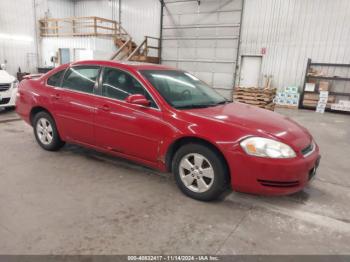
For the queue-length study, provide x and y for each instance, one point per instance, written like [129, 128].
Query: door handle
[56, 96]
[104, 107]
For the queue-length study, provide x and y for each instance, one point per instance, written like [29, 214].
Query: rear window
[55, 79]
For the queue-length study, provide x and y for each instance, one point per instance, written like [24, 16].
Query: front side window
[183, 90]
[81, 78]
[55, 79]
[119, 85]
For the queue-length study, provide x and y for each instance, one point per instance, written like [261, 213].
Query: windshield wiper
[193, 106]
[203, 105]
[223, 102]
[220, 103]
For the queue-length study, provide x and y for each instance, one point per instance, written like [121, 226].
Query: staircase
[128, 50]
[148, 51]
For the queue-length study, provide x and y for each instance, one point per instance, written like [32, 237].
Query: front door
[250, 71]
[123, 127]
[75, 103]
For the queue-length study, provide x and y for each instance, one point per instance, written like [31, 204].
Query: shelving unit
[330, 78]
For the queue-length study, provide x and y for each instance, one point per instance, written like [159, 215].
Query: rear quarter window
[55, 79]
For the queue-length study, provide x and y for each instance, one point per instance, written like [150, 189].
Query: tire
[198, 171]
[46, 133]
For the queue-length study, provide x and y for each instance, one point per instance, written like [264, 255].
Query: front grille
[308, 150]
[272, 183]
[4, 101]
[4, 87]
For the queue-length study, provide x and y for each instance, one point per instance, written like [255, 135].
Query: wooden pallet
[251, 102]
[256, 94]
[270, 106]
[256, 98]
[261, 97]
[287, 106]
[257, 90]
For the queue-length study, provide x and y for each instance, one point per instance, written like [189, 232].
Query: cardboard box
[324, 94]
[291, 89]
[282, 101]
[323, 100]
[311, 96]
[313, 103]
[316, 97]
[320, 109]
[295, 102]
[344, 102]
[340, 107]
[307, 102]
[281, 94]
[331, 99]
[323, 86]
[310, 87]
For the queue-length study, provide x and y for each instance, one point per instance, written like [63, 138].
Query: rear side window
[55, 79]
[81, 78]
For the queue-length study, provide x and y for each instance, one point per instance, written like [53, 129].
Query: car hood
[258, 122]
[6, 78]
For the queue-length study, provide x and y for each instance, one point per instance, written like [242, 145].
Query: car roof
[125, 64]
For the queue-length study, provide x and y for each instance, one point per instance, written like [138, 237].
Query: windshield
[183, 90]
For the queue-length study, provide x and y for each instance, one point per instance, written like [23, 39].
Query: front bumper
[267, 176]
[8, 97]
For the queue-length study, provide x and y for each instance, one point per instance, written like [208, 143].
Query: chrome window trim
[99, 85]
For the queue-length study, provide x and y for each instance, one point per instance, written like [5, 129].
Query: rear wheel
[200, 172]
[45, 132]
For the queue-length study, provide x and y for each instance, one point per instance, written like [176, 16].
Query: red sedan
[169, 120]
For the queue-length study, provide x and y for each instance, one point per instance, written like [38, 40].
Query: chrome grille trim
[4, 87]
[309, 149]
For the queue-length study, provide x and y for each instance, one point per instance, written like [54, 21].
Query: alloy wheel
[44, 131]
[196, 172]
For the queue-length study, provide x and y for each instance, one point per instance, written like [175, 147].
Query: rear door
[75, 103]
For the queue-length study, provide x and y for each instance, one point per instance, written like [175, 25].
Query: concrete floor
[77, 201]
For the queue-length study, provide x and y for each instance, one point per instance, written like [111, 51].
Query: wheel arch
[36, 110]
[196, 140]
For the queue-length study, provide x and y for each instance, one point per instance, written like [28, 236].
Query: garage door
[202, 37]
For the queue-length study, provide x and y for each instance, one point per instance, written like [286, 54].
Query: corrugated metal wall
[203, 39]
[293, 30]
[18, 37]
[141, 18]
[60, 8]
[102, 48]
[102, 8]
[17, 43]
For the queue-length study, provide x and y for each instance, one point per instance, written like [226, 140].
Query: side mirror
[138, 99]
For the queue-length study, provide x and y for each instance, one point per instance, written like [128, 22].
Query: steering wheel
[186, 94]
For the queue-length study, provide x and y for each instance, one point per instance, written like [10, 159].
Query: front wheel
[200, 172]
[46, 133]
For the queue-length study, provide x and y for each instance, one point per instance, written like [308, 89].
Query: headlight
[264, 147]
